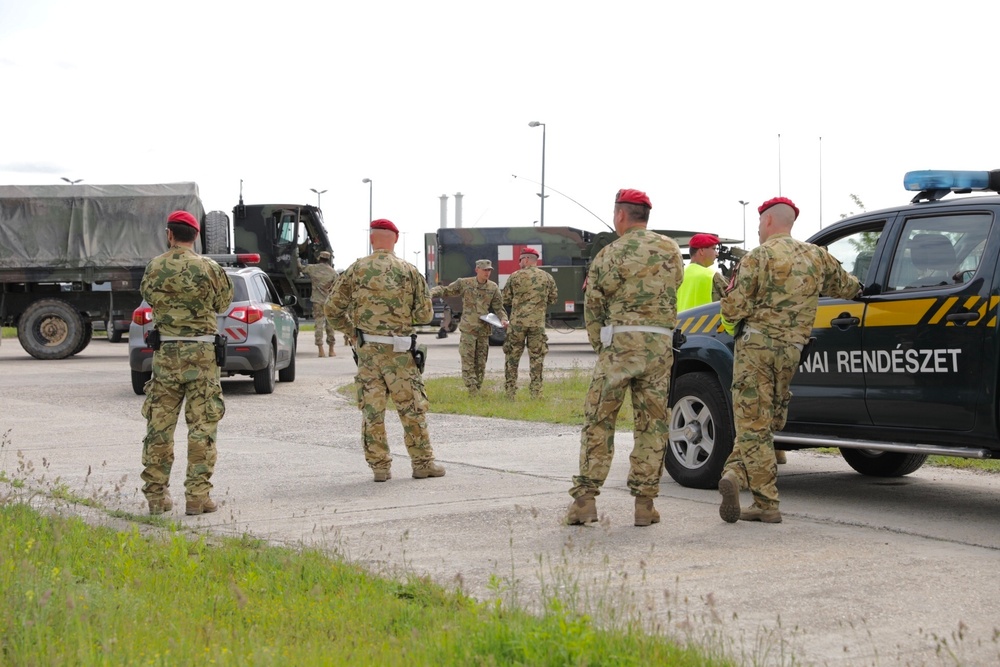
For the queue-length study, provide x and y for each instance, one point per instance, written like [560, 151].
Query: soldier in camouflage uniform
[773, 297]
[185, 292]
[527, 295]
[381, 297]
[480, 296]
[630, 309]
[323, 276]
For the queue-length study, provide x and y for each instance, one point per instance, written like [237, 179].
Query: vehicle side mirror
[289, 300]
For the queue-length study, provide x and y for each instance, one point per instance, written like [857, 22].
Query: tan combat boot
[779, 457]
[382, 474]
[322, 353]
[333, 353]
[428, 469]
[729, 487]
[645, 513]
[201, 506]
[582, 510]
[754, 513]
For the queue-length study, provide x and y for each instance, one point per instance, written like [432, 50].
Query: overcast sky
[682, 100]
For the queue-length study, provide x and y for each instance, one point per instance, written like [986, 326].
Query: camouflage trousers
[323, 328]
[474, 349]
[641, 362]
[384, 374]
[182, 372]
[537, 342]
[762, 372]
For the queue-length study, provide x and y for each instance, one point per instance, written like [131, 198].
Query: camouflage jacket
[777, 286]
[633, 281]
[477, 299]
[323, 276]
[527, 295]
[380, 294]
[185, 291]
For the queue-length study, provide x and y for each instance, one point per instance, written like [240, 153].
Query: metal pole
[744, 223]
[541, 219]
[779, 164]
[821, 182]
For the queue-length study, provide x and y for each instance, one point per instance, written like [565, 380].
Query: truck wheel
[50, 329]
[88, 335]
[287, 374]
[114, 335]
[263, 380]
[882, 464]
[497, 335]
[216, 233]
[701, 431]
[139, 380]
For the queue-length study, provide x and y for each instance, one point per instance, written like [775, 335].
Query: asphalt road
[862, 571]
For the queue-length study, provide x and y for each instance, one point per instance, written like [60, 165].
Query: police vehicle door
[924, 335]
[280, 317]
[823, 390]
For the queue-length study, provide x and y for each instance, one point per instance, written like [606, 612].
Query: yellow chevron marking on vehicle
[703, 324]
[897, 313]
[943, 310]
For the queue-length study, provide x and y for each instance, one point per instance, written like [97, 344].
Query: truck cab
[908, 370]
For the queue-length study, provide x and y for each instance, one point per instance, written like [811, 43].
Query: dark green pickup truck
[910, 369]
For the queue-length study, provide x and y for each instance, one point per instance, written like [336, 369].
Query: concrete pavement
[863, 571]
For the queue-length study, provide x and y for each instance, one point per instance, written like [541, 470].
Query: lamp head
[366, 180]
[534, 123]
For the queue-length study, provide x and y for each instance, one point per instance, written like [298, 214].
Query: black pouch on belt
[220, 350]
[153, 339]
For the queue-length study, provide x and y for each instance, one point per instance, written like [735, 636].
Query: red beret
[703, 241]
[529, 251]
[382, 223]
[632, 197]
[774, 202]
[185, 218]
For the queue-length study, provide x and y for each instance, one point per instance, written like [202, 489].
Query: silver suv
[261, 327]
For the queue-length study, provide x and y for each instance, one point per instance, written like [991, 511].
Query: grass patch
[72, 593]
[8, 332]
[561, 402]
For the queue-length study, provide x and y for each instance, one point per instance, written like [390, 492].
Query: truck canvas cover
[78, 226]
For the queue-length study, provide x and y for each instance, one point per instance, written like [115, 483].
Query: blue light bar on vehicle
[944, 179]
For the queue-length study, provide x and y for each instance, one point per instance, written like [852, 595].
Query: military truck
[564, 252]
[73, 255]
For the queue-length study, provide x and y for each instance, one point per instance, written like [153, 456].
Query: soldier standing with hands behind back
[630, 309]
[185, 292]
[380, 298]
[774, 297]
[480, 295]
[528, 293]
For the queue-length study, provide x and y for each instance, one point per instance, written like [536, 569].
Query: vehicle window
[259, 290]
[239, 289]
[939, 251]
[272, 293]
[856, 250]
[288, 230]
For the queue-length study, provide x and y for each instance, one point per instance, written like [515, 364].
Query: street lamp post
[744, 223]
[72, 182]
[541, 217]
[319, 193]
[369, 182]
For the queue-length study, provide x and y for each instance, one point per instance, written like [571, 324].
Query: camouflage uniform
[185, 292]
[474, 346]
[323, 277]
[528, 293]
[775, 294]
[384, 296]
[632, 281]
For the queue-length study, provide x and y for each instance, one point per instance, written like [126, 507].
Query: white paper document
[492, 319]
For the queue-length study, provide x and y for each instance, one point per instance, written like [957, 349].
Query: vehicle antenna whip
[569, 198]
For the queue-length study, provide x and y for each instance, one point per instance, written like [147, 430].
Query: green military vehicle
[74, 255]
[564, 252]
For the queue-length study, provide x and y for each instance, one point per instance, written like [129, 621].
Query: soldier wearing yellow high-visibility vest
[702, 284]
